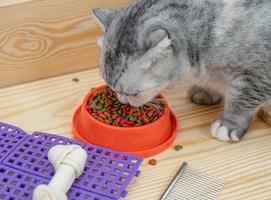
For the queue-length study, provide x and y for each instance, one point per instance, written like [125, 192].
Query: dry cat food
[105, 107]
[178, 147]
[153, 162]
[75, 80]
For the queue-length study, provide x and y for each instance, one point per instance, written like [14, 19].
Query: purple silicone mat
[10, 137]
[31, 154]
[15, 185]
[106, 175]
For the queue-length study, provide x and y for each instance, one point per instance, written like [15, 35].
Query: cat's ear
[158, 45]
[104, 16]
[158, 40]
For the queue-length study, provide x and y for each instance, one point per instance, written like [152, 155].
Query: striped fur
[154, 44]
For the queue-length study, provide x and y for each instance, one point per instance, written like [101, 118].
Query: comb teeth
[194, 185]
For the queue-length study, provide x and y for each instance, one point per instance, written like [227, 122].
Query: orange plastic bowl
[143, 141]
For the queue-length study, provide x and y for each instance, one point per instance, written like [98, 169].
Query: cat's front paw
[226, 130]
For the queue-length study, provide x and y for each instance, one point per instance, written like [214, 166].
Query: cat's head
[137, 55]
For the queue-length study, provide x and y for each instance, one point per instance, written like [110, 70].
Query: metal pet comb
[190, 184]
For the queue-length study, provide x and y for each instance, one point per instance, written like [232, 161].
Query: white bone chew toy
[69, 162]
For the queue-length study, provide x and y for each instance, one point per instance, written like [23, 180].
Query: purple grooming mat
[24, 165]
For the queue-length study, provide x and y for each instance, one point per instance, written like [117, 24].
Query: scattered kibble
[178, 147]
[75, 80]
[105, 107]
[153, 162]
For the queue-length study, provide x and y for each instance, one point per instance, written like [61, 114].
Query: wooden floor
[48, 105]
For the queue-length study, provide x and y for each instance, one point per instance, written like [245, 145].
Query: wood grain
[48, 105]
[43, 38]
[12, 2]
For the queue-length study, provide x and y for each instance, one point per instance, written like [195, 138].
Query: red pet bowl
[143, 141]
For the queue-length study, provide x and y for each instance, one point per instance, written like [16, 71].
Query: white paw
[225, 131]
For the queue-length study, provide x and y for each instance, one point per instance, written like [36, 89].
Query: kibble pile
[105, 107]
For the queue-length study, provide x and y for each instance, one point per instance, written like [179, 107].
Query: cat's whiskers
[157, 108]
[138, 110]
[142, 109]
[158, 101]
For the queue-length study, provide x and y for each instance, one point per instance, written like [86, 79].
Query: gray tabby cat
[225, 45]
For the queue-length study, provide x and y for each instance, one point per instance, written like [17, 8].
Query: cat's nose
[122, 98]
[135, 102]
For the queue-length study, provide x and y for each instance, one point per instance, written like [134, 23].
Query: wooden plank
[12, 2]
[45, 38]
[48, 105]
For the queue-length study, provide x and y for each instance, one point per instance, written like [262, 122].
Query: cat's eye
[135, 94]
